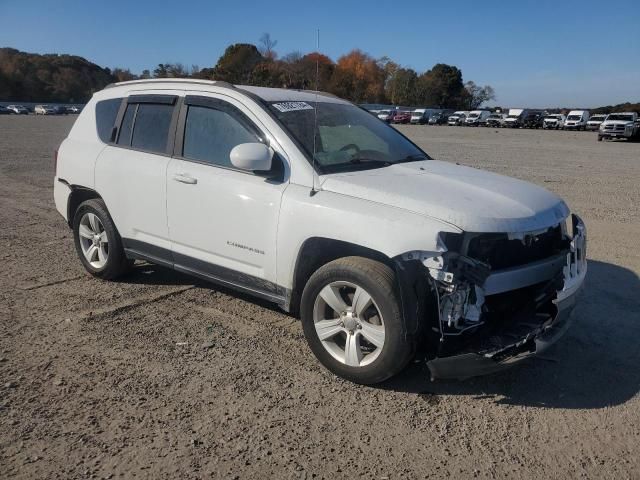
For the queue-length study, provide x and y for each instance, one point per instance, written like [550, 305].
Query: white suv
[310, 202]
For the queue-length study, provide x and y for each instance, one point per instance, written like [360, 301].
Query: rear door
[222, 221]
[131, 172]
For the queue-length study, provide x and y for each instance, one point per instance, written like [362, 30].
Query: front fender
[388, 230]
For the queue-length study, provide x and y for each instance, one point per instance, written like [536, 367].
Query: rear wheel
[352, 320]
[98, 242]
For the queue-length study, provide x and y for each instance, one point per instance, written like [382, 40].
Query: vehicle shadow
[595, 365]
[149, 274]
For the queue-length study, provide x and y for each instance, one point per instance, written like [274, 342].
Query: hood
[471, 199]
[617, 122]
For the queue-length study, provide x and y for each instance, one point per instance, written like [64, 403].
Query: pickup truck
[620, 125]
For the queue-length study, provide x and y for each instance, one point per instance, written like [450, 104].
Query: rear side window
[106, 113]
[151, 127]
[210, 135]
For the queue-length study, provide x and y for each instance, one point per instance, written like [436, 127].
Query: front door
[222, 221]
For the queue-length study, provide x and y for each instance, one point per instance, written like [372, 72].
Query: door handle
[184, 178]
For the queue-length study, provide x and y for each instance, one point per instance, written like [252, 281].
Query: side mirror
[252, 157]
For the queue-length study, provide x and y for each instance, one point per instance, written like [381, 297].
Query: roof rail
[217, 83]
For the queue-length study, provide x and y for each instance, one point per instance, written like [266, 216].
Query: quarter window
[106, 113]
[210, 134]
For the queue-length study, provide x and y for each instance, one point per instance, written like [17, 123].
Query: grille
[499, 252]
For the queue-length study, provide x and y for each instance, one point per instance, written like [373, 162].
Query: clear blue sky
[534, 53]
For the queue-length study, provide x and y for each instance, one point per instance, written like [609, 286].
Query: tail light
[55, 161]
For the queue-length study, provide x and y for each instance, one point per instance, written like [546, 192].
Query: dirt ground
[161, 376]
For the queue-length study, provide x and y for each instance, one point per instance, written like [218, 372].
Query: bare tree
[267, 46]
[477, 95]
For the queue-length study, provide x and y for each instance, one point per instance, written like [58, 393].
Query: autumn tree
[358, 77]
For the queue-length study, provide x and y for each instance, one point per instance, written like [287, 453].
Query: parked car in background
[553, 121]
[595, 121]
[385, 115]
[18, 109]
[496, 120]
[422, 115]
[477, 118]
[44, 110]
[620, 125]
[439, 118]
[397, 255]
[457, 118]
[514, 118]
[401, 116]
[60, 110]
[533, 120]
[577, 120]
[4, 111]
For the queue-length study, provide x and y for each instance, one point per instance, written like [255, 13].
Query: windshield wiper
[412, 158]
[372, 161]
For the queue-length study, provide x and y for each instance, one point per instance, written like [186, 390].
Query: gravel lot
[161, 376]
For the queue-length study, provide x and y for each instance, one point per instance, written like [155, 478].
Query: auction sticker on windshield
[292, 106]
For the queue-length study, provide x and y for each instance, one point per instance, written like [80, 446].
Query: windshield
[597, 118]
[474, 115]
[513, 116]
[552, 117]
[346, 137]
[617, 116]
[574, 117]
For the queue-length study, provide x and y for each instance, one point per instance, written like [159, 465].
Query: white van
[477, 117]
[514, 119]
[577, 120]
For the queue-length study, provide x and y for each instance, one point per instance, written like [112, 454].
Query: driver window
[210, 135]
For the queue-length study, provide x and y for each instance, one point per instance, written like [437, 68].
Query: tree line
[356, 76]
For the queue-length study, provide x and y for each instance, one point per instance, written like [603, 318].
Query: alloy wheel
[93, 240]
[349, 324]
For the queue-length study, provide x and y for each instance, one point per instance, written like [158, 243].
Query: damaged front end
[496, 299]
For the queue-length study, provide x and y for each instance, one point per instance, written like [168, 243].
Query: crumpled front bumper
[472, 364]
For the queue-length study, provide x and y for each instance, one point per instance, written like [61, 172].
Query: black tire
[599, 138]
[117, 263]
[379, 281]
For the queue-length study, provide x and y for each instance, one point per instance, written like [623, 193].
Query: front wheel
[352, 320]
